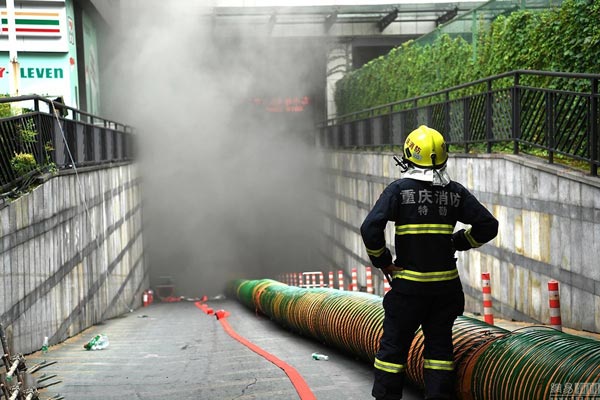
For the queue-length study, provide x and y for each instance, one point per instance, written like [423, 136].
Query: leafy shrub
[563, 39]
[28, 132]
[5, 109]
[22, 163]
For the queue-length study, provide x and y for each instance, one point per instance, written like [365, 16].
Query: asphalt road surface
[175, 351]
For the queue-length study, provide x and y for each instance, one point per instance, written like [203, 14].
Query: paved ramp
[175, 351]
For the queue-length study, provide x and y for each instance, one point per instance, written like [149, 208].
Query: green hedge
[564, 39]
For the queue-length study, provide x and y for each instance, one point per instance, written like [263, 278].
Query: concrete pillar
[339, 62]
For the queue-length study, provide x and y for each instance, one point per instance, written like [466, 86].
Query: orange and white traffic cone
[340, 279]
[554, 300]
[488, 313]
[369, 279]
[354, 280]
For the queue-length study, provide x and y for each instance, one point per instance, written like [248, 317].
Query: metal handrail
[561, 120]
[512, 74]
[43, 135]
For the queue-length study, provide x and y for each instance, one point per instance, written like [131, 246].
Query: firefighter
[425, 206]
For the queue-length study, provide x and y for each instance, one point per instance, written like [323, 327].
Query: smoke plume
[228, 187]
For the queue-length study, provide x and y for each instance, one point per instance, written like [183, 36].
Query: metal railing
[557, 113]
[40, 135]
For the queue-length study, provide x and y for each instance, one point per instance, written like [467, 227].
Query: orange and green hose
[491, 362]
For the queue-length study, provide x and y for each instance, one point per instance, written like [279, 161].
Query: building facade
[50, 48]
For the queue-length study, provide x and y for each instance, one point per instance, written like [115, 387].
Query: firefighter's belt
[436, 276]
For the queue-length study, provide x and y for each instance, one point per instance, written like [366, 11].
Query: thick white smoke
[228, 190]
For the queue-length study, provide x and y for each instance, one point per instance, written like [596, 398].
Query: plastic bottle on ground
[45, 345]
[102, 343]
[98, 342]
[317, 356]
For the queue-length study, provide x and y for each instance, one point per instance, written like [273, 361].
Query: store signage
[33, 23]
[42, 73]
[39, 28]
[36, 73]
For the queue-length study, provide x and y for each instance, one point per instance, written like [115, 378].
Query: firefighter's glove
[460, 241]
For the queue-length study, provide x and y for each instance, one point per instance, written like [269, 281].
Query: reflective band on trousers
[439, 364]
[388, 366]
[376, 253]
[416, 229]
[426, 276]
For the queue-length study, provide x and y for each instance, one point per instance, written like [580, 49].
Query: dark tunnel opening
[240, 200]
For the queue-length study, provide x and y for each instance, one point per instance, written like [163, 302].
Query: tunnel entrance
[242, 189]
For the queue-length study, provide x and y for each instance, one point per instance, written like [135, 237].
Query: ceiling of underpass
[386, 21]
[340, 20]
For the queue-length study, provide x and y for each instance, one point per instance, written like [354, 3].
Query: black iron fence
[39, 135]
[550, 113]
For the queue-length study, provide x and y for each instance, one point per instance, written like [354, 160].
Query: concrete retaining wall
[549, 229]
[71, 257]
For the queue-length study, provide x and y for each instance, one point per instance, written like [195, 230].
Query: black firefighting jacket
[425, 217]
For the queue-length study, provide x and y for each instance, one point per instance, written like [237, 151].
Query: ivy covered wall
[563, 39]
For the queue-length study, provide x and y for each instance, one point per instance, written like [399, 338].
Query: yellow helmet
[425, 148]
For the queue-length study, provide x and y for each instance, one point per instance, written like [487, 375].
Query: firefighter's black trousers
[403, 315]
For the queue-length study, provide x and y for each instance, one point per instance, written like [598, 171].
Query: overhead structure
[272, 22]
[330, 20]
[467, 24]
[447, 17]
[352, 35]
[348, 21]
[387, 20]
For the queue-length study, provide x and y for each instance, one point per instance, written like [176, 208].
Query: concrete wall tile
[566, 193]
[535, 295]
[576, 247]
[590, 256]
[596, 314]
[548, 187]
[505, 237]
[541, 227]
[530, 184]
[55, 229]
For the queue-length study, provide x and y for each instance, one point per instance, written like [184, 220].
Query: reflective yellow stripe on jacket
[388, 366]
[436, 276]
[417, 229]
[376, 253]
[474, 243]
[439, 364]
